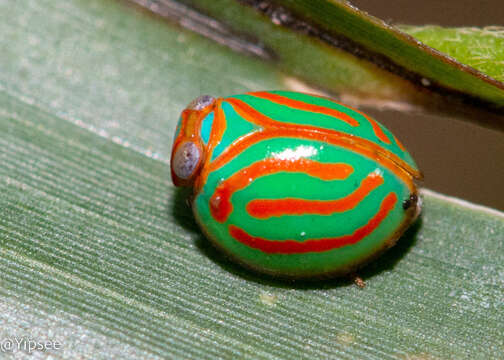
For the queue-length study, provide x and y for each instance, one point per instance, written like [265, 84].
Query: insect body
[293, 184]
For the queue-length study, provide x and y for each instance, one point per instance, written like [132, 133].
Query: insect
[292, 184]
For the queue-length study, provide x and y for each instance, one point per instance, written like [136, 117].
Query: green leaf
[481, 48]
[99, 252]
[338, 48]
[375, 35]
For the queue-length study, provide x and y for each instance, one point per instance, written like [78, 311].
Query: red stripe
[301, 105]
[314, 245]
[401, 146]
[376, 128]
[266, 208]
[220, 202]
[219, 126]
[358, 144]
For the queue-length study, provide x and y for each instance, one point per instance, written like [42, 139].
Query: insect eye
[186, 159]
[201, 102]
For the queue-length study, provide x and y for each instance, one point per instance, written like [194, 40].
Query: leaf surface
[99, 251]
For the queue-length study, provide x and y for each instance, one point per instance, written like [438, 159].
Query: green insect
[294, 185]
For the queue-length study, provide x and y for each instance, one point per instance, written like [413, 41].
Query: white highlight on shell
[378, 171]
[302, 151]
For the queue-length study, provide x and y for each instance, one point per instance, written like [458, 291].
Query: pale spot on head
[185, 160]
[201, 102]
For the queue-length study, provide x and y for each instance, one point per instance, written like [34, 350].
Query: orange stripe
[220, 202]
[301, 105]
[189, 132]
[255, 117]
[314, 245]
[376, 128]
[266, 208]
[218, 128]
[361, 146]
[401, 146]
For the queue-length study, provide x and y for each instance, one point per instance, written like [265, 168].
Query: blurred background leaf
[480, 48]
[338, 48]
[100, 252]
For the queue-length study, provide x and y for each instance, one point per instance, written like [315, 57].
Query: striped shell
[293, 184]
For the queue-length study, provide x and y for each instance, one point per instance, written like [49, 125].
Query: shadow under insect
[387, 261]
